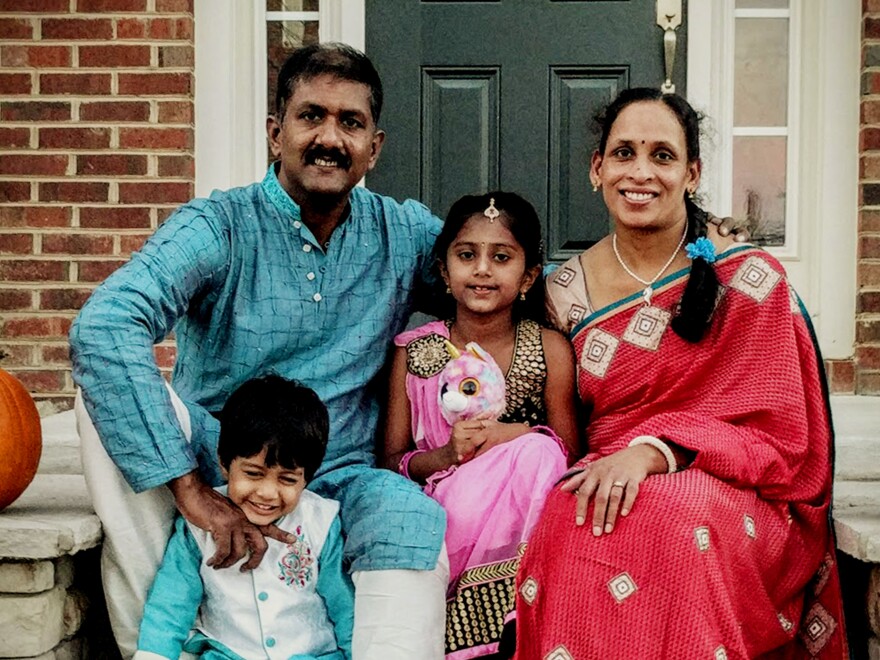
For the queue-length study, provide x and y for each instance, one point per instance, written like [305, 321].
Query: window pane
[762, 4]
[282, 37]
[759, 186]
[760, 95]
[291, 5]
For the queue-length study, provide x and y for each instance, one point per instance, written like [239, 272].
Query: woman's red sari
[732, 557]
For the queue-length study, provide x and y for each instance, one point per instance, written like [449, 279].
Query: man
[304, 275]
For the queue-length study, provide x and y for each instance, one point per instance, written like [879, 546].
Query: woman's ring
[618, 484]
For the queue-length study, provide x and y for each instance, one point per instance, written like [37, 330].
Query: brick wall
[867, 351]
[96, 147]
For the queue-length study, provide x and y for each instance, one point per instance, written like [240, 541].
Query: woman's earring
[595, 187]
[522, 295]
[448, 289]
[692, 195]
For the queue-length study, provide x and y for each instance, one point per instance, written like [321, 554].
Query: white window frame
[820, 251]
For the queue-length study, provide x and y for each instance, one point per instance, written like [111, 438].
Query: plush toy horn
[453, 351]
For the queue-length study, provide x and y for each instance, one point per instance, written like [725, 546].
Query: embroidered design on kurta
[755, 278]
[296, 567]
[646, 327]
[559, 653]
[599, 348]
[622, 587]
[529, 590]
[818, 627]
[702, 536]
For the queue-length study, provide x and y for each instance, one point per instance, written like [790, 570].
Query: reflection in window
[761, 117]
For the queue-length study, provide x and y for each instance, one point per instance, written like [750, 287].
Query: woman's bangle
[403, 465]
[660, 446]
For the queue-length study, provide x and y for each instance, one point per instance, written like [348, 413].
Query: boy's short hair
[284, 416]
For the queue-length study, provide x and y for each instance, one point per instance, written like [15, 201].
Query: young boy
[298, 602]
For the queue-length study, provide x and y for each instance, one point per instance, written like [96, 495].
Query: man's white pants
[399, 614]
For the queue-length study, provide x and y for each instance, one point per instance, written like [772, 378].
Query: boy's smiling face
[265, 494]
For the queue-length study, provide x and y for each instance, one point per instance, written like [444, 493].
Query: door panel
[483, 95]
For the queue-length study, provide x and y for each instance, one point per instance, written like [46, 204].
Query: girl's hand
[614, 481]
[465, 439]
[497, 433]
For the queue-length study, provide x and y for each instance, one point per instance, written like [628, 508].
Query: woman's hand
[614, 481]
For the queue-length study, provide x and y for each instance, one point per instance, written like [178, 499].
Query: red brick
[16, 244]
[868, 331]
[115, 111]
[75, 83]
[35, 56]
[77, 28]
[868, 357]
[176, 56]
[33, 164]
[40, 381]
[869, 247]
[131, 28]
[63, 299]
[870, 111]
[11, 299]
[183, 28]
[32, 270]
[165, 356]
[19, 355]
[871, 5]
[175, 112]
[869, 220]
[15, 191]
[35, 6]
[16, 28]
[162, 214]
[14, 137]
[35, 111]
[146, 193]
[111, 57]
[77, 244]
[111, 164]
[132, 243]
[110, 6]
[841, 375]
[869, 138]
[73, 191]
[174, 6]
[35, 216]
[97, 271]
[868, 302]
[114, 217]
[156, 138]
[74, 138]
[868, 274]
[151, 84]
[869, 168]
[871, 28]
[15, 83]
[177, 167]
[55, 355]
[868, 383]
[40, 326]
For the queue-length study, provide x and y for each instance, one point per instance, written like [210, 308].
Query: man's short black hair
[284, 416]
[339, 60]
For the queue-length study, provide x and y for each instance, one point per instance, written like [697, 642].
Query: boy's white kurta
[296, 603]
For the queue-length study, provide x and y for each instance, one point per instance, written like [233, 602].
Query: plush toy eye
[469, 386]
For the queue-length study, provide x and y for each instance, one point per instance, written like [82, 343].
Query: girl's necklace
[649, 284]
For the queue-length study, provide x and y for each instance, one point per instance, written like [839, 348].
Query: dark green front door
[486, 95]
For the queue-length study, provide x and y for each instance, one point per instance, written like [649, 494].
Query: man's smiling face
[327, 140]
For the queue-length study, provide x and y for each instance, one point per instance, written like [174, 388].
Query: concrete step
[60, 445]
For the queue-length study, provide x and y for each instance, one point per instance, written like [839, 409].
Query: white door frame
[231, 142]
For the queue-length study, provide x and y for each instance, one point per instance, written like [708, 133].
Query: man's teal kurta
[247, 290]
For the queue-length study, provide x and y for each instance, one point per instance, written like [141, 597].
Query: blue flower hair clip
[703, 249]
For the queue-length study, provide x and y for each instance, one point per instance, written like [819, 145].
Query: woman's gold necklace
[649, 284]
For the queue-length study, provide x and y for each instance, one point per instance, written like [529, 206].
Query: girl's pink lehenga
[493, 501]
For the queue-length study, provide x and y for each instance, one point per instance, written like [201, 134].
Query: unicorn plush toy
[471, 385]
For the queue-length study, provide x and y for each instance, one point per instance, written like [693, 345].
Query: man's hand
[233, 535]
[727, 226]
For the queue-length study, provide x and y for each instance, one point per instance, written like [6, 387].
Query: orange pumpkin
[21, 439]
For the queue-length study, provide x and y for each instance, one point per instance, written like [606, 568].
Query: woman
[697, 526]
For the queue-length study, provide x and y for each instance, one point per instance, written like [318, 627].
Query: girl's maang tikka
[491, 212]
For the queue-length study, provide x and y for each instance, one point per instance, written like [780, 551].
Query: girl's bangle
[660, 446]
[403, 465]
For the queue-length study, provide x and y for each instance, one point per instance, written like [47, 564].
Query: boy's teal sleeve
[335, 587]
[173, 600]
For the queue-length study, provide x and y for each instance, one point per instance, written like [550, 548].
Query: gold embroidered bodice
[524, 381]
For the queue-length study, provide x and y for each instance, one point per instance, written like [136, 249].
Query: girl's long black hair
[694, 314]
[521, 219]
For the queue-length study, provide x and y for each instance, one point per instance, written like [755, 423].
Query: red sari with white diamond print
[732, 557]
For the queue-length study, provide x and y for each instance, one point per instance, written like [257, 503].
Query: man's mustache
[334, 155]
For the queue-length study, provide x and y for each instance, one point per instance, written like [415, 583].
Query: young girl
[491, 476]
